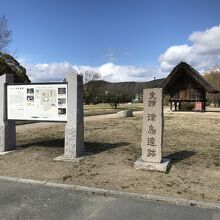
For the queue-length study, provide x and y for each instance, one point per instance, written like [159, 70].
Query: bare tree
[213, 76]
[90, 75]
[5, 34]
[91, 88]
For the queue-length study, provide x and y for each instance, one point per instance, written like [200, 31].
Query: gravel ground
[112, 145]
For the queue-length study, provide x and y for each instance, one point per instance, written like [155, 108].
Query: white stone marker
[152, 133]
[7, 128]
[74, 130]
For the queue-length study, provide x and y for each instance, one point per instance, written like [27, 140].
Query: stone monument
[74, 130]
[7, 128]
[125, 113]
[152, 133]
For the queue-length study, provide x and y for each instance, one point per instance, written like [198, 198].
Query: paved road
[19, 201]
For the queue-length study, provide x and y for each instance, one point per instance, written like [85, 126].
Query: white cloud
[53, 72]
[128, 53]
[116, 73]
[202, 54]
[110, 55]
[56, 72]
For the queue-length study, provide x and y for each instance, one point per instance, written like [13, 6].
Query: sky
[123, 40]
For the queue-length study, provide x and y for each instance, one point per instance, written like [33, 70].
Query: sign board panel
[40, 102]
[198, 106]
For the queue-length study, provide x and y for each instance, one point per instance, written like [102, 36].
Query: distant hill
[132, 87]
[9, 65]
[100, 91]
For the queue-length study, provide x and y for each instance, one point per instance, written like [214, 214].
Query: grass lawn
[112, 146]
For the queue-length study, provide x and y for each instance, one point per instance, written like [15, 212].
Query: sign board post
[7, 128]
[74, 130]
[152, 133]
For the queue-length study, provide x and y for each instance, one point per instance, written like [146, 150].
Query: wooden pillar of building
[175, 104]
[179, 105]
[171, 105]
[203, 106]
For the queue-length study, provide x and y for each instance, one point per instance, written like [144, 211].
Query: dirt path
[54, 124]
[107, 116]
[209, 114]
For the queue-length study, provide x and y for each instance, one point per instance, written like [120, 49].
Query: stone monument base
[163, 166]
[6, 152]
[68, 159]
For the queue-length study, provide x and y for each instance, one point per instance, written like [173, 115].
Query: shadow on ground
[90, 147]
[180, 155]
[95, 147]
[56, 143]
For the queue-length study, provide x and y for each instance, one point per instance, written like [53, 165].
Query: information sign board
[40, 102]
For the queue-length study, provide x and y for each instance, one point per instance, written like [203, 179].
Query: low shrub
[187, 106]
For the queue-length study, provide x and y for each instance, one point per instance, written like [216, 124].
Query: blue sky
[122, 39]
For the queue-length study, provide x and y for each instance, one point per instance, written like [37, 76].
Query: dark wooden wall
[184, 87]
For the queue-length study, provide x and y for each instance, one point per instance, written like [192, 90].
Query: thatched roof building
[185, 84]
[183, 71]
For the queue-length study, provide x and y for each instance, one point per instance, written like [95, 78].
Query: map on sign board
[43, 102]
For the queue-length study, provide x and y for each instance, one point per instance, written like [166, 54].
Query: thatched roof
[187, 69]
